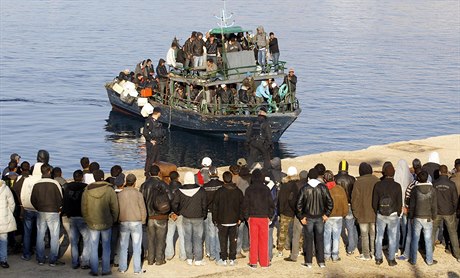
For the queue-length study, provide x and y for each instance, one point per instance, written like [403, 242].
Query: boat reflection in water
[181, 147]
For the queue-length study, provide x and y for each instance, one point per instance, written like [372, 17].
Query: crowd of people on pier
[222, 216]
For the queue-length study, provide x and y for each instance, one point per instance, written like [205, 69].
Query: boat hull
[224, 126]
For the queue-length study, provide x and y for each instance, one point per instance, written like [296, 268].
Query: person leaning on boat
[259, 139]
[154, 135]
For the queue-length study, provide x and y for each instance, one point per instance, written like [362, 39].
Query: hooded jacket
[228, 205]
[287, 198]
[190, 201]
[258, 201]
[384, 189]
[211, 188]
[261, 38]
[99, 206]
[423, 202]
[346, 182]
[314, 200]
[47, 195]
[162, 72]
[7, 205]
[361, 198]
[73, 193]
[149, 191]
[132, 205]
[447, 195]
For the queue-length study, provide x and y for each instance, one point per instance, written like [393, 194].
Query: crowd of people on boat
[222, 216]
[204, 55]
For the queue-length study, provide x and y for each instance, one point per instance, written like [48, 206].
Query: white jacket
[171, 57]
[7, 221]
[26, 191]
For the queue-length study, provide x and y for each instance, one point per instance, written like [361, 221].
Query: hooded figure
[403, 175]
[276, 174]
[43, 157]
[432, 166]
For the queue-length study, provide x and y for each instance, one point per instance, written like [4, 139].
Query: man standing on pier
[259, 139]
[154, 135]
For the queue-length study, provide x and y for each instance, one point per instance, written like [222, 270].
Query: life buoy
[283, 90]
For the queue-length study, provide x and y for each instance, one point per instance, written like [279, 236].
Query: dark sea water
[370, 72]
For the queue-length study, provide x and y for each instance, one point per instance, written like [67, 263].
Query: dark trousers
[153, 155]
[157, 230]
[228, 234]
[256, 148]
[314, 230]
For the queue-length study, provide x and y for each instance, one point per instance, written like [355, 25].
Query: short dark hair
[45, 169]
[148, 60]
[422, 176]
[313, 173]
[234, 169]
[416, 163]
[328, 176]
[320, 168]
[443, 169]
[78, 175]
[57, 172]
[98, 175]
[84, 162]
[115, 170]
[271, 33]
[227, 176]
[154, 170]
[457, 162]
[25, 167]
[174, 175]
[94, 166]
[12, 165]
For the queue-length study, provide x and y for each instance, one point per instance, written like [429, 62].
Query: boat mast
[224, 24]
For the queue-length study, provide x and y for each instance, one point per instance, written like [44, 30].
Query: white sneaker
[221, 262]
[199, 263]
[231, 263]
[189, 262]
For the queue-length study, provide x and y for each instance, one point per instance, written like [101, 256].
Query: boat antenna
[224, 18]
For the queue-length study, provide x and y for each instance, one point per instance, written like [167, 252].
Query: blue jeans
[392, 224]
[197, 61]
[170, 246]
[349, 232]
[243, 238]
[211, 238]
[133, 229]
[193, 237]
[30, 219]
[105, 236]
[3, 247]
[402, 231]
[408, 239]
[78, 227]
[427, 227]
[332, 229]
[275, 57]
[261, 57]
[48, 220]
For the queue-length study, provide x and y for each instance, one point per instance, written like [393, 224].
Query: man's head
[12, 166]
[328, 176]
[365, 169]
[15, 157]
[443, 170]
[148, 62]
[227, 176]
[206, 162]
[416, 163]
[174, 176]
[78, 175]
[156, 112]
[154, 171]
[234, 169]
[457, 165]
[43, 156]
[93, 166]
[422, 176]
[343, 166]
[98, 175]
[130, 180]
[25, 167]
[388, 170]
[313, 174]
[272, 35]
[84, 162]
[115, 170]
[213, 172]
[57, 172]
[320, 168]
[291, 71]
[46, 170]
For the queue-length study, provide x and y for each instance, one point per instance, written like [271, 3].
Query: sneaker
[392, 263]
[41, 263]
[140, 272]
[363, 258]
[433, 263]
[378, 261]
[200, 263]
[240, 256]
[57, 263]
[4, 264]
[189, 262]
[107, 273]
[402, 258]
[322, 265]
[221, 262]
[85, 267]
[24, 258]
[288, 259]
[327, 259]
[280, 254]
[231, 263]
[307, 265]
[350, 253]
[253, 266]
[412, 262]
[336, 260]
[160, 262]
[121, 271]
[212, 259]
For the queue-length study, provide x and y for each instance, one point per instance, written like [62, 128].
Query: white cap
[189, 178]
[292, 171]
[264, 83]
[206, 162]
[274, 85]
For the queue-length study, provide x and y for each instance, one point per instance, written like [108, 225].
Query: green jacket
[99, 206]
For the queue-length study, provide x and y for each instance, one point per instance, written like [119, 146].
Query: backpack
[385, 206]
[161, 202]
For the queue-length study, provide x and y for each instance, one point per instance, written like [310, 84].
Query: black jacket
[447, 196]
[259, 130]
[173, 186]
[190, 201]
[384, 189]
[346, 182]
[258, 201]
[46, 195]
[423, 202]
[72, 199]
[162, 72]
[287, 198]
[314, 200]
[211, 188]
[228, 205]
[149, 191]
[433, 170]
[273, 45]
[153, 130]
